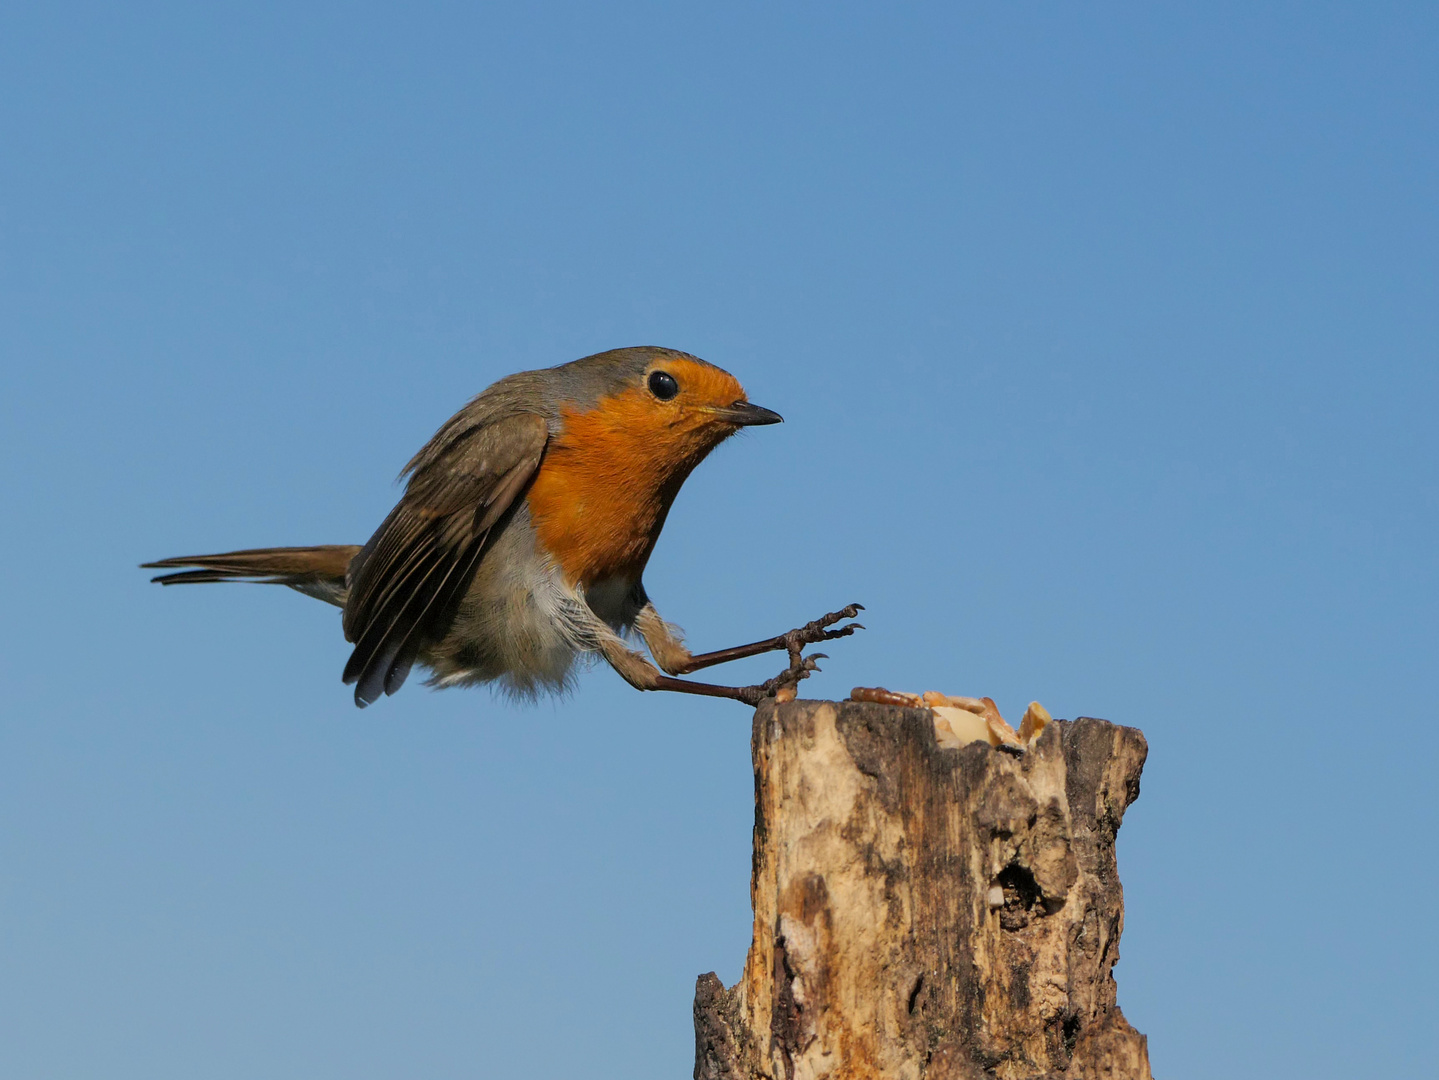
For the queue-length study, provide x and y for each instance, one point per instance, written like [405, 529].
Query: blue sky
[1106, 342]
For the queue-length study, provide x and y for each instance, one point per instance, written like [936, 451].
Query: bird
[519, 544]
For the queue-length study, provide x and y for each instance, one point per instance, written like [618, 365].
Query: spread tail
[314, 571]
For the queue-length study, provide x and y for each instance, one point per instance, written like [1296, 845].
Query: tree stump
[928, 913]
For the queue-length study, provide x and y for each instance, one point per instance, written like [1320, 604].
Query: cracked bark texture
[928, 914]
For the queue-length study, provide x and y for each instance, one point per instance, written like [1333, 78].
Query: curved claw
[849, 611]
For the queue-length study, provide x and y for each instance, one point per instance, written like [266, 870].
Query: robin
[521, 540]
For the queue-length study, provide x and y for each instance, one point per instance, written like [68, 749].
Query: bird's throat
[606, 484]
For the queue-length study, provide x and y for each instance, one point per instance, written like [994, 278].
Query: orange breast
[607, 482]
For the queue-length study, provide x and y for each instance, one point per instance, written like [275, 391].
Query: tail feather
[315, 571]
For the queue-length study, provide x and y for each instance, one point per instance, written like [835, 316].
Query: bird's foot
[812, 633]
[783, 686]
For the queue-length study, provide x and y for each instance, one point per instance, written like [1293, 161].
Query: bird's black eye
[663, 385]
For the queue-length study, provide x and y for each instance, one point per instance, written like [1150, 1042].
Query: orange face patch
[609, 477]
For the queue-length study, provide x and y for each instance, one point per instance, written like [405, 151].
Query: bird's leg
[636, 669]
[750, 695]
[672, 656]
[800, 668]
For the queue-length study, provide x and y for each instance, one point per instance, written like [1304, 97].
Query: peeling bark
[928, 914]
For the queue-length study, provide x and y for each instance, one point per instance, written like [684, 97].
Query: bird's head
[661, 409]
[685, 393]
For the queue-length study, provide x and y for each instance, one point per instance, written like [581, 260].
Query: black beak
[743, 414]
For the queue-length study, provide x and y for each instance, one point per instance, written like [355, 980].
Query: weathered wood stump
[928, 913]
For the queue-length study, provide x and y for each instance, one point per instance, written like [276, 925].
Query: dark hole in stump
[914, 994]
[1071, 1032]
[1021, 893]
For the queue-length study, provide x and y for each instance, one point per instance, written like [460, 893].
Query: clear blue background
[1106, 343]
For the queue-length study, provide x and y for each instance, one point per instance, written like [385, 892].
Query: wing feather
[406, 582]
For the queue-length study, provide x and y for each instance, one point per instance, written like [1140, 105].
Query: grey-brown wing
[406, 582]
